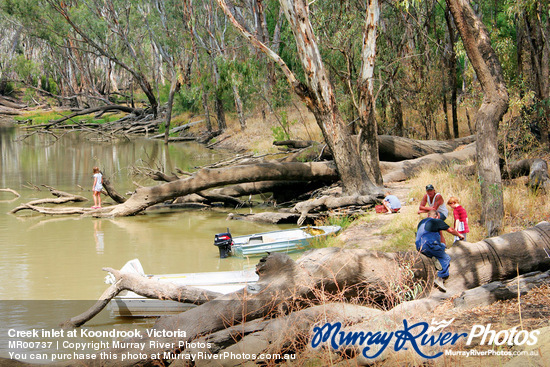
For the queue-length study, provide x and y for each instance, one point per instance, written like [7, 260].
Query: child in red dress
[460, 217]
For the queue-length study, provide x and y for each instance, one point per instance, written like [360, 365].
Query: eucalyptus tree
[167, 23]
[355, 158]
[10, 36]
[112, 29]
[477, 42]
[533, 24]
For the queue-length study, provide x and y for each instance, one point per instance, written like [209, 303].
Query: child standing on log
[460, 217]
[97, 187]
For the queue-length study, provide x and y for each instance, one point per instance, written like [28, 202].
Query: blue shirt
[427, 232]
[394, 201]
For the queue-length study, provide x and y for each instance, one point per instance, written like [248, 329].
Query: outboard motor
[224, 241]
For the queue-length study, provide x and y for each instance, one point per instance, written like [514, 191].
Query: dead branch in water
[10, 190]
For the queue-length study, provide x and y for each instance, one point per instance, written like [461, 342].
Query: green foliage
[516, 137]
[48, 84]
[44, 117]
[343, 221]
[281, 94]
[187, 100]
[9, 88]
[26, 69]
[281, 132]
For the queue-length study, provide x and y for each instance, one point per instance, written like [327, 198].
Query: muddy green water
[60, 258]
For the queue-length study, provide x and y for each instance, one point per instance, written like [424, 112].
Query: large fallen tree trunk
[536, 169]
[208, 178]
[396, 148]
[370, 277]
[204, 179]
[400, 171]
[390, 148]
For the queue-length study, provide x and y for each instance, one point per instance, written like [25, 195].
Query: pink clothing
[459, 213]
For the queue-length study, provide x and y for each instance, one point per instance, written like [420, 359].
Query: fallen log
[204, 179]
[145, 287]
[7, 103]
[401, 171]
[295, 144]
[287, 334]
[88, 111]
[391, 148]
[33, 205]
[274, 217]
[536, 169]
[208, 178]
[228, 200]
[498, 291]
[331, 202]
[397, 148]
[9, 111]
[177, 129]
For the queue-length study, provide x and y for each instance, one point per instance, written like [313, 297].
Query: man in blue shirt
[428, 242]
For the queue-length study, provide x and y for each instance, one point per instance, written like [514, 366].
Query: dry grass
[522, 207]
[258, 136]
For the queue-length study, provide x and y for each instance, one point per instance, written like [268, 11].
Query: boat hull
[291, 240]
[130, 304]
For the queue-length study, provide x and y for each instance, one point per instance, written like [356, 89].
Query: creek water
[51, 266]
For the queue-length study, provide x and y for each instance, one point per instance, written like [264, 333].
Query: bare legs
[97, 199]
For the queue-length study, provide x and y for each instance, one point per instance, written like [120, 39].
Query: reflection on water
[60, 258]
[98, 236]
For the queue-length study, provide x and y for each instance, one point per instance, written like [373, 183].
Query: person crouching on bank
[429, 242]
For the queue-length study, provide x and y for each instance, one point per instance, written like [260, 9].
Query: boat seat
[255, 240]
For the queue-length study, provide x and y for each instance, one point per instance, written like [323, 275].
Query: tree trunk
[540, 66]
[7, 66]
[368, 134]
[452, 72]
[206, 110]
[239, 106]
[318, 95]
[174, 87]
[476, 40]
[396, 113]
[220, 114]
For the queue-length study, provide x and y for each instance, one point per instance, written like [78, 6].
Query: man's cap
[430, 187]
